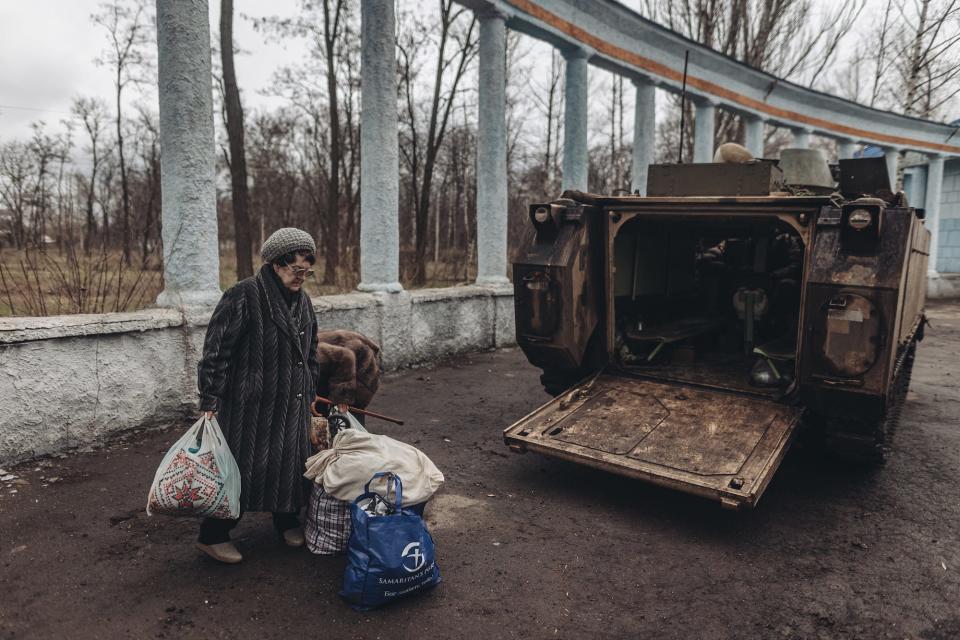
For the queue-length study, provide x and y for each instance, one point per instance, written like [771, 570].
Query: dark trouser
[217, 530]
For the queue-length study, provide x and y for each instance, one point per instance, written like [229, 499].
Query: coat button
[301, 333]
[299, 395]
[300, 364]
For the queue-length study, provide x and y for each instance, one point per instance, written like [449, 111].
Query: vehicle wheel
[869, 442]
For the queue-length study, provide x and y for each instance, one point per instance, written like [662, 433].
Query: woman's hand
[209, 414]
[343, 408]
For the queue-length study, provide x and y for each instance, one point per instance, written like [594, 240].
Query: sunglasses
[300, 272]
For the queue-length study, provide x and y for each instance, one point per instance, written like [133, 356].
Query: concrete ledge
[944, 285]
[68, 381]
[14, 330]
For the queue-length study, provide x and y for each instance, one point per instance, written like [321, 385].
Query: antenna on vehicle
[683, 105]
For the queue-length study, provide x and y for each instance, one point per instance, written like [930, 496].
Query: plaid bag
[327, 528]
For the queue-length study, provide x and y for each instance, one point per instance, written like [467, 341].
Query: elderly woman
[259, 374]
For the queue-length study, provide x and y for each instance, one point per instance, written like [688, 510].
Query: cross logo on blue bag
[412, 552]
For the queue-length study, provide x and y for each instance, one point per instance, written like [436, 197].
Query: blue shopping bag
[391, 553]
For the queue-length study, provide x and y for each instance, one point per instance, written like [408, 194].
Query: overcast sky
[48, 48]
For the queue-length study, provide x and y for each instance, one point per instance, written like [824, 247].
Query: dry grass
[51, 282]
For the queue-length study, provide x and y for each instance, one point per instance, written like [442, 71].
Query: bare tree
[333, 15]
[127, 23]
[237, 160]
[325, 87]
[47, 150]
[91, 112]
[928, 67]
[456, 48]
[64, 202]
[148, 181]
[615, 175]
[106, 195]
[273, 145]
[17, 177]
[549, 101]
[797, 40]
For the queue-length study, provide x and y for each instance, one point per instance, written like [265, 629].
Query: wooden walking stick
[363, 412]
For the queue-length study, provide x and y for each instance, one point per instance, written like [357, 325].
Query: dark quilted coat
[257, 372]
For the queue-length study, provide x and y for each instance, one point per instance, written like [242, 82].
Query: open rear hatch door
[710, 443]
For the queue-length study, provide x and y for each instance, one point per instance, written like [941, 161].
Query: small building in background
[945, 274]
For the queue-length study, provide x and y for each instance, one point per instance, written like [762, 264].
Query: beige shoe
[224, 552]
[294, 537]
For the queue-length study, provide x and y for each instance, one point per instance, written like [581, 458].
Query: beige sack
[356, 455]
[732, 153]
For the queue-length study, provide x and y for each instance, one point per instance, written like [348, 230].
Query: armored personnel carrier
[688, 335]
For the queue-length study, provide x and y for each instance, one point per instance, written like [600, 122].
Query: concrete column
[753, 140]
[932, 206]
[703, 131]
[379, 150]
[801, 138]
[892, 156]
[915, 184]
[492, 151]
[575, 157]
[846, 149]
[644, 128]
[191, 256]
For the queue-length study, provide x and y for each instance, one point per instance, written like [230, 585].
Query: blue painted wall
[948, 259]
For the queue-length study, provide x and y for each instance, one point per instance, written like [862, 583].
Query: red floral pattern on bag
[191, 486]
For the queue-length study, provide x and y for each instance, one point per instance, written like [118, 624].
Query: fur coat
[349, 367]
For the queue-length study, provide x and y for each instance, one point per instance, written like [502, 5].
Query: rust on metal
[716, 321]
[710, 443]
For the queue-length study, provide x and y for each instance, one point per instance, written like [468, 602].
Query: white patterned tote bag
[198, 477]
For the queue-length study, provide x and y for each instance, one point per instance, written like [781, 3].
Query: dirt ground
[529, 547]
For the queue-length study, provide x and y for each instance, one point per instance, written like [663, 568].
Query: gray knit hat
[286, 240]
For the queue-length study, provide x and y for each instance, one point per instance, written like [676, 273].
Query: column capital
[846, 147]
[644, 81]
[493, 12]
[801, 129]
[754, 117]
[577, 52]
[702, 100]
[935, 157]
